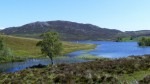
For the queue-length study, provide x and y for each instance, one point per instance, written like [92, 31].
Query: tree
[144, 41]
[119, 39]
[50, 45]
[131, 38]
[5, 52]
[1, 43]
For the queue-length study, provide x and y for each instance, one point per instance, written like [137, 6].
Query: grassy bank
[26, 47]
[119, 71]
[91, 57]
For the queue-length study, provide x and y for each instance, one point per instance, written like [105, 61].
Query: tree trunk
[51, 60]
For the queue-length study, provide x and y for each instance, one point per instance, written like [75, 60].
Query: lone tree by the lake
[50, 45]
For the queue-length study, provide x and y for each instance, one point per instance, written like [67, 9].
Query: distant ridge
[138, 33]
[67, 30]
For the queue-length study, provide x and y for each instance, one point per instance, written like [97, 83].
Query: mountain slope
[67, 30]
[138, 33]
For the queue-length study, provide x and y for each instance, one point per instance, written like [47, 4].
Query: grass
[90, 57]
[117, 71]
[70, 47]
[26, 47]
[134, 77]
[114, 71]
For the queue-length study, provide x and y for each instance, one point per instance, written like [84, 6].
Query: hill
[67, 30]
[138, 33]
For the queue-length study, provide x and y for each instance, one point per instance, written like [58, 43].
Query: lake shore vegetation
[25, 48]
[144, 41]
[117, 71]
[5, 52]
[91, 57]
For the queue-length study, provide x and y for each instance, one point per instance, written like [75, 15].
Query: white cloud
[1, 27]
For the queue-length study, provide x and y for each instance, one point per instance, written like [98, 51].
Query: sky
[125, 15]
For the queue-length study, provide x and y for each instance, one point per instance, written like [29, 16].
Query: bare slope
[68, 30]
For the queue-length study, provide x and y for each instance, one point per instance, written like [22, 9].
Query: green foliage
[50, 45]
[1, 43]
[125, 39]
[145, 80]
[5, 53]
[134, 77]
[144, 41]
[119, 39]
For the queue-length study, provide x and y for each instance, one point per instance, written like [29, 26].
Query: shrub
[144, 41]
[5, 53]
[145, 80]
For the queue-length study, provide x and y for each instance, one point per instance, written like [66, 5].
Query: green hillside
[26, 47]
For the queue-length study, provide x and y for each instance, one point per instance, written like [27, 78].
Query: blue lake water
[113, 49]
[103, 49]
[17, 66]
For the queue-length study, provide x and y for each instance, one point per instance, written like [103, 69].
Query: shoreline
[114, 71]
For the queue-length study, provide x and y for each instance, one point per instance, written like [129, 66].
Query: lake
[17, 66]
[113, 49]
[103, 49]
